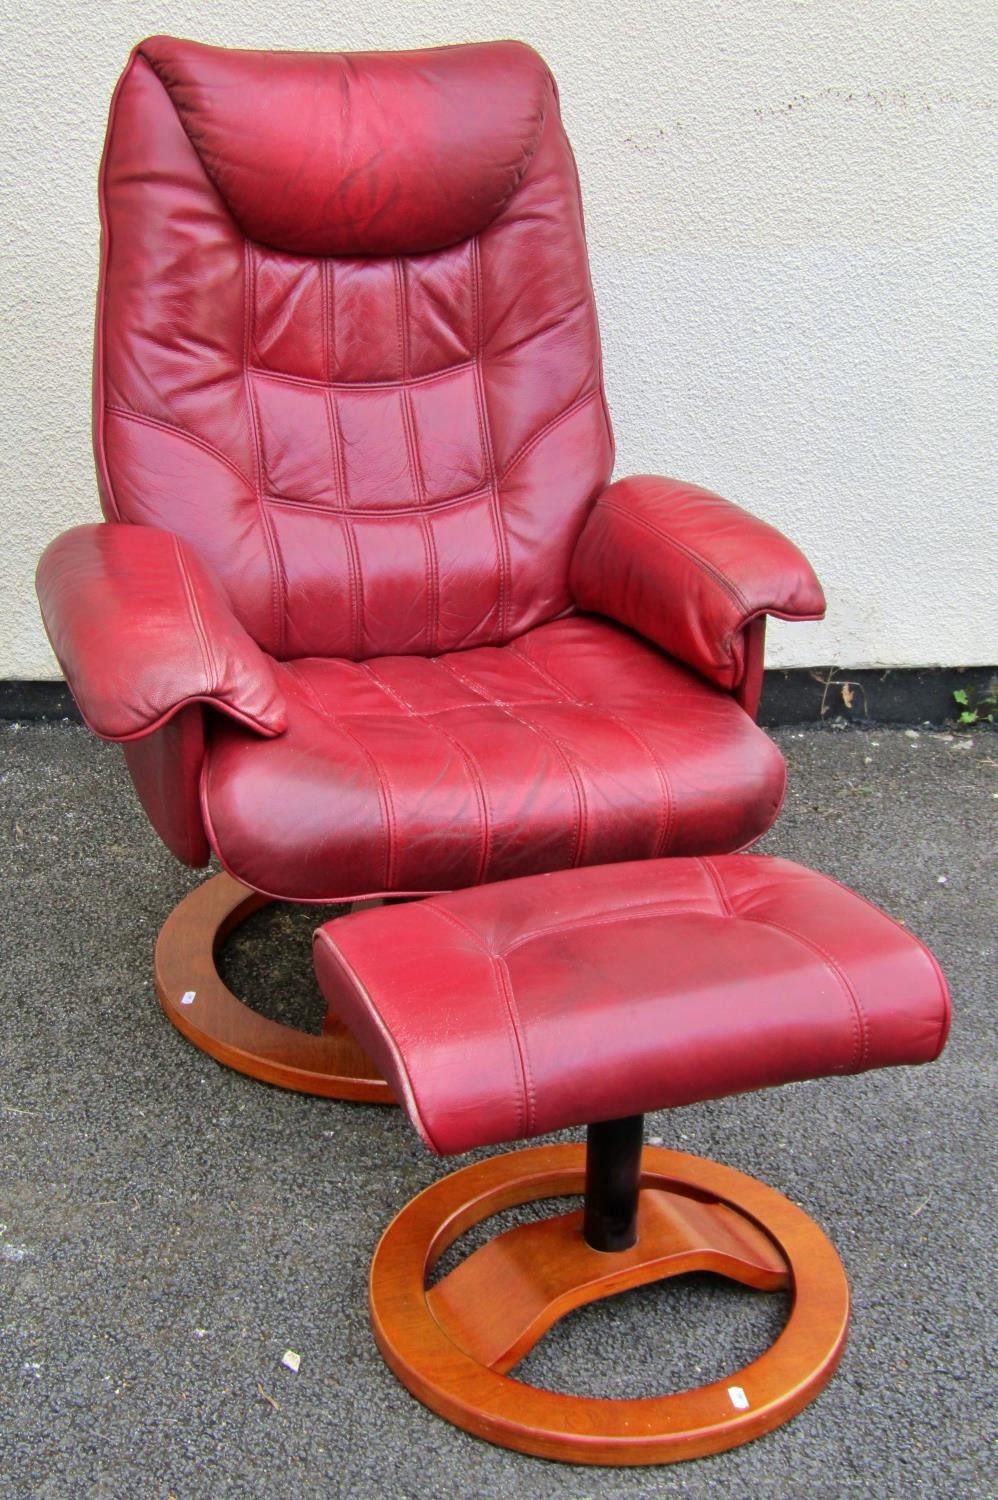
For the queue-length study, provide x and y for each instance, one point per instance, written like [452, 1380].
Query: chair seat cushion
[576, 744]
[587, 995]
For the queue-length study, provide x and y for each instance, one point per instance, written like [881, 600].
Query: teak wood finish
[200, 1004]
[452, 1345]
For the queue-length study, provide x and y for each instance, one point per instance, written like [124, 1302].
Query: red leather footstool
[589, 997]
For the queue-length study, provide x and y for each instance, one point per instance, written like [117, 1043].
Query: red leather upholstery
[347, 355]
[689, 571]
[141, 628]
[515, 1010]
[393, 453]
[426, 149]
[166, 769]
[575, 744]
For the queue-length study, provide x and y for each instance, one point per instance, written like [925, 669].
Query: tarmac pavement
[168, 1228]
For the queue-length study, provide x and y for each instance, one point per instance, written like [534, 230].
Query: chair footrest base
[452, 1344]
[200, 1004]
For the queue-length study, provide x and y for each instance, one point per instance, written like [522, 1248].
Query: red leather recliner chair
[365, 612]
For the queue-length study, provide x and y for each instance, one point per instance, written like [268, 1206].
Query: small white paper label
[738, 1397]
[188, 997]
[291, 1360]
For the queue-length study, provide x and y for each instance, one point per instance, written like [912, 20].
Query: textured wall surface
[792, 243]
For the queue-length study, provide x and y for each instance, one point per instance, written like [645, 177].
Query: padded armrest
[689, 571]
[140, 628]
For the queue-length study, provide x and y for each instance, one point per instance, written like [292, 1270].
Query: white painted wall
[791, 234]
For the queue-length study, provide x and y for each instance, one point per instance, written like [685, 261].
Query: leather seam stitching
[339, 470]
[278, 583]
[856, 1010]
[384, 785]
[399, 316]
[720, 891]
[455, 708]
[207, 660]
[856, 1013]
[579, 820]
[509, 995]
[339, 458]
[712, 572]
[349, 537]
[860, 1037]
[471, 765]
[530, 443]
[485, 438]
[510, 1016]
[412, 446]
[666, 816]
[323, 323]
[504, 350]
[354, 511]
[566, 755]
[387, 1034]
[191, 437]
[606, 917]
[324, 313]
[360, 385]
[933, 961]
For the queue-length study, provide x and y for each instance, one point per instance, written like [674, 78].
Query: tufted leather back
[346, 341]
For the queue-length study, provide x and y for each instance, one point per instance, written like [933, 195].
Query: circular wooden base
[201, 1005]
[452, 1344]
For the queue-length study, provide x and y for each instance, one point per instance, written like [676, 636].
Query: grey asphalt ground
[169, 1228]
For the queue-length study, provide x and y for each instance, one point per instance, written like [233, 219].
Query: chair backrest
[346, 341]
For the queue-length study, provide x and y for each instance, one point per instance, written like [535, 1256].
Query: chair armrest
[689, 571]
[141, 628]
[165, 767]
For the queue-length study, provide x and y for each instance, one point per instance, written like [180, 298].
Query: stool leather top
[511, 1010]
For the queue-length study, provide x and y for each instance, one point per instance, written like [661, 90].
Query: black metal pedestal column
[613, 1174]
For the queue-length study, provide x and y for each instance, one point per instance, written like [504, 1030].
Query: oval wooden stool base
[201, 1005]
[451, 1345]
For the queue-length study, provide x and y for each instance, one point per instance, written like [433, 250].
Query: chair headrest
[363, 153]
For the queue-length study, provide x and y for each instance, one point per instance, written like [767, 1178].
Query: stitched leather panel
[628, 988]
[376, 453]
[370, 152]
[577, 744]
[141, 628]
[689, 570]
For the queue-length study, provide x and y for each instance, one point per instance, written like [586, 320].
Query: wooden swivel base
[201, 1005]
[452, 1345]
